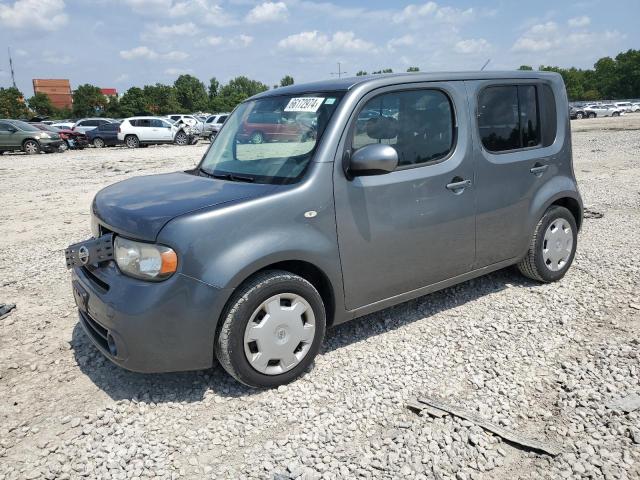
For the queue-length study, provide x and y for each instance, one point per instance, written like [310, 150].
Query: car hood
[139, 207]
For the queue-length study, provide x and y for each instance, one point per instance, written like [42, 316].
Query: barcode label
[304, 104]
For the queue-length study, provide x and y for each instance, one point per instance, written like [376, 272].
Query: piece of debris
[635, 306]
[510, 436]
[5, 309]
[588, 213]
[627, 404]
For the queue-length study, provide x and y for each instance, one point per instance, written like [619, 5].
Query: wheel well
[573, 206]
[30, 139]
[313, 275]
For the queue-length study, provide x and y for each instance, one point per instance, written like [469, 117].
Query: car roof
[347, 83]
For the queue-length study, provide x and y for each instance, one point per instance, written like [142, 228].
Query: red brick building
[58, 91]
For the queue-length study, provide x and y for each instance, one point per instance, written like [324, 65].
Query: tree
[286, 81]
[214, 88]
[88, 100]
[133, 102]
[41, 104]
[525, 67]
[12, 103]
[413, 69]
[236, 91]
[384, 70]
[161, 99]
[361, 73]
[191, 93]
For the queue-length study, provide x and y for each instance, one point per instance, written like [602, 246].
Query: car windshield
[25, 126]
[270, 140]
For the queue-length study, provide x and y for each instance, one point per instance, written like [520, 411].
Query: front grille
[97, 331]
[91, 276]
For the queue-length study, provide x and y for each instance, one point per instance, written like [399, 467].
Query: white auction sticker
[304, 104]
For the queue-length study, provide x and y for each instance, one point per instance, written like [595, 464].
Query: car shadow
[121, 384]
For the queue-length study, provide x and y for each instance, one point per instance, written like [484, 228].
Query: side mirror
[373, 159]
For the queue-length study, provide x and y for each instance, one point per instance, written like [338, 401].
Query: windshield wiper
[229, 176]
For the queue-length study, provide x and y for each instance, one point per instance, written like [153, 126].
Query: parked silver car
[250, 256]
[85, 124]
[213, 124]
[603, 110]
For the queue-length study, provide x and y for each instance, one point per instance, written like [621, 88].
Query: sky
[124, 43]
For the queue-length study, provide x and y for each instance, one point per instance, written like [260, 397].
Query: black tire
[131, 141]
[181, 138]
[615, 114]
[591, 115]
[98, 142]
[229, 345]
[31, 147]
[256, 138]
[579, 115]
[64, 146]
[533, 264]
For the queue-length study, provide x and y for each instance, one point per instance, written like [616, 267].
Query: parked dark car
[105, 135]
[250, 256]
[260, 127]
[18, 135]
[70, 139]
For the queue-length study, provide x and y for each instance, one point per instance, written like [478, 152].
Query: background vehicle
[577, 112]
[63, 125]
[19, 135]
[105, 135]
[71, 140]
[213, 124]
[142, 131]
[624, 106]
[260, 127]
[86, 124]
[635, 107]
[604, 110]
[196, 124]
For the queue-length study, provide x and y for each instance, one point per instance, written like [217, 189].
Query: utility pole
[339, 73]
[13, 76]
[485, 64]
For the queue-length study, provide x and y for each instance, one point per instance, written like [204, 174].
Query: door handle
[458, 185]
[538, 169]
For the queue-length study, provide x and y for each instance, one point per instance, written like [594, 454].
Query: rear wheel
[256, 137]
[591, 115]
[552, 247]
[64, 146]
[131, 141]
[271, 330]
[98, 142]
[615, 114]
[31, 147]
[579, 115]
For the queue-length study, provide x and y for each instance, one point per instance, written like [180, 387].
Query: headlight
[45, 135]
[145, 260]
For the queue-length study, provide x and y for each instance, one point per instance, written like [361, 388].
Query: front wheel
[591, 115]
[31, 147]
[272, 329]
[98, 142]
[181, 138]
[580, 115]
[256, 138]
[552, 247]
[615, 114]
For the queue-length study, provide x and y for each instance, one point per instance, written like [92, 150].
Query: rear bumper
[149, 327]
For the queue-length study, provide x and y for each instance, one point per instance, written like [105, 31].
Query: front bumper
[148, 327]
[51, 146]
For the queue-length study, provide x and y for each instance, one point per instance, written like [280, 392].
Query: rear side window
[222, 119]
[418, 124]
[509, 117]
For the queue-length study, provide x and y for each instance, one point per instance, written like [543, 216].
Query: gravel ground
[544, 360]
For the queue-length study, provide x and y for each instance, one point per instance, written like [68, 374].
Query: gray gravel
[544, 360]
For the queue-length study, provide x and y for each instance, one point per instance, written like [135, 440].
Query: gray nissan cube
[323, 202]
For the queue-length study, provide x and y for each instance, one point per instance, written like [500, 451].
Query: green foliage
[286, 81]
[41, 104]
[88, 101]
[234, 92]
[384, 70]
[610, 79]
[163, 99]
[214, 88]
[191, 93]
[361, 73]
[525, 67]
[12, 103]
[133, 103]
[413, 69]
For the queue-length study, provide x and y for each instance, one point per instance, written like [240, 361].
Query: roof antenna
[485, 64]
[13, 76]
[340, 72]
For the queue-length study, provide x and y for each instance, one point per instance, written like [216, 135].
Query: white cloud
[538, 38]
[268, 12]
[207, 12]
[472, 45]
[549, 37]
[416, 13]
[313, 42]
[404, 41]
[154, 31]
[212, 41]
[239, 41]
[577, 22]
[54, 58]
[34, 15]
[146, 53]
